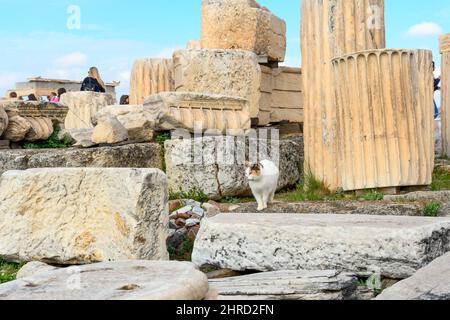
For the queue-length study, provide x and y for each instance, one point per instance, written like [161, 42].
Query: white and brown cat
[263, 179]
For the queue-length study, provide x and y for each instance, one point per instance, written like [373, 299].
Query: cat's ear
[260, 164]
[247, 164]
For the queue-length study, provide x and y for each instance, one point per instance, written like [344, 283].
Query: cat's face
[253, 171]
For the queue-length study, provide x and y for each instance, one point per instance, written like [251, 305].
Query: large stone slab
[142, 155]
[234, 73]
[124, 280]
[379, 208]
[243, 24]
[37, 109]
[394, 247]
[430, 283]
[77, 216]
[137, 119]
[287, 285]
[199, 111]
[216, 165]
[83, 106]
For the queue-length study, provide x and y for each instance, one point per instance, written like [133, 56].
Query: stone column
[445, 93]
[331, 28]
[150, 76]
[384, 122]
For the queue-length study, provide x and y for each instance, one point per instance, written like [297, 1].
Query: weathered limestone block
[385, 129]
[109, 130]
[3, 120]
[79, 138]
[394, 247]
[245, 25]
[124, 280]
[33, 268]
[142, 155]
[83, 106]
[287, 285]
[287, 95]
[37, 109]
[135, 118]
[215, 165]
[175, 110]
[330, 29]
[150, 76]
[234, 73]
[41, 129]
[430, 283]
[445, 93]
[77, 216]
[17, 129]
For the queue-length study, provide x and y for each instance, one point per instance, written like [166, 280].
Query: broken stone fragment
[85, 217]
[109, 130]
[17, 129]
[135, 118]
[3, 120]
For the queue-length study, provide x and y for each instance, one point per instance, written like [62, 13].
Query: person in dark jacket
[32, 97]
[93, 82]
[437, 81]
[124, 100]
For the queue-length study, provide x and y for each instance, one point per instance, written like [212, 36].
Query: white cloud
[425, 29]
[72, 59]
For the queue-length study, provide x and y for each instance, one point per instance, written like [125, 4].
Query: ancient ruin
[150, 76]
[42, 87]
[110, 193]
[445, 93]
[330, 29]
[384, 96]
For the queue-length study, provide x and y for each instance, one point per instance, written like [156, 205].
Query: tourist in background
[124, 100]
[93, 82]
[437, 81]
[61, 91]
[53, 97]
[32, 97]
[13, 95]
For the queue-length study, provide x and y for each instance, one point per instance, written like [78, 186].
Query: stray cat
[263, 180]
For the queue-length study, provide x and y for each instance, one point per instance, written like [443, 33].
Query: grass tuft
[8, 271]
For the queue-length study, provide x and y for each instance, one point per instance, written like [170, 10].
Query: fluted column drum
[329, 29]
[445, 93]
[150, 76]
[385, 121]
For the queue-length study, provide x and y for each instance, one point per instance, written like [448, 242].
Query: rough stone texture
[182, 110]
[330, 29]
[109, 130]
[337, 207]
[80, 138]
[286, 95]
[430, 283]
[124, 280]
[3, 120]
[233, 73]
[135, 118]
[83, 106]
[394, 247]
[445, 93]
[17, 129]
[34, 268]
[398, 145]
[37, 109]
[422, 196]
[150, 76]
[146, 155]
[219, 171]
[242, 24]
[287, 285]
[77, 216]
[41, 129]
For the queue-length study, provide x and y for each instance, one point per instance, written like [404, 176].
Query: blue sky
[35, 39]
